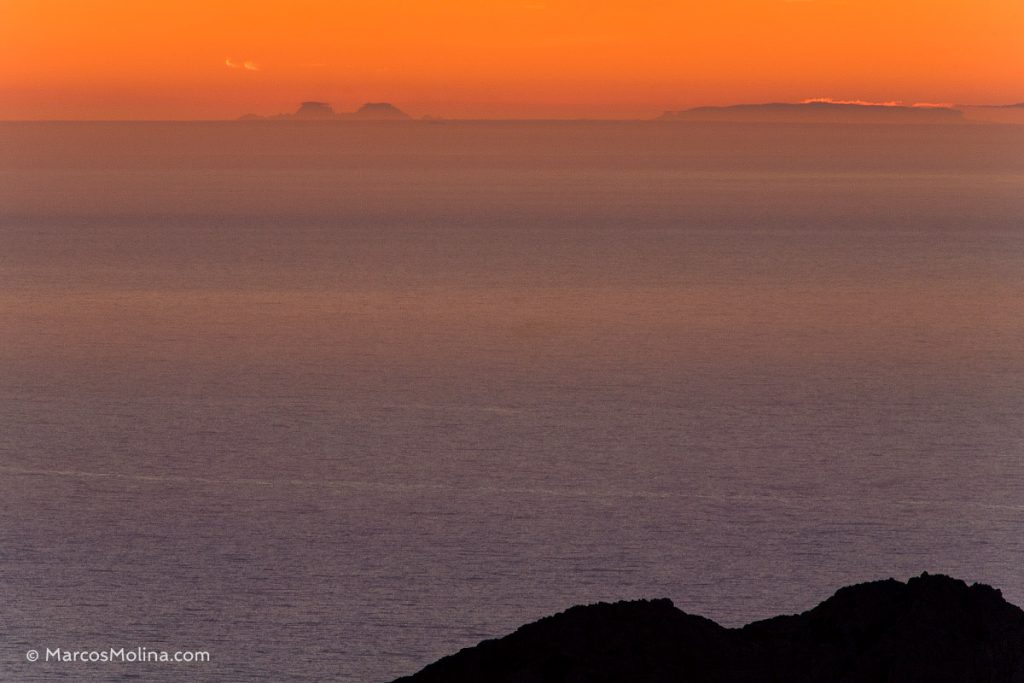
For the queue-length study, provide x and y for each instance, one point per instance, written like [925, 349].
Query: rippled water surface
[331, 401]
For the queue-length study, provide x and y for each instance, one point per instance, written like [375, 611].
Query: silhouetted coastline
[932, 628]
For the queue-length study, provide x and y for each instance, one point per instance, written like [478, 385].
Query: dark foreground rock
[932, 629]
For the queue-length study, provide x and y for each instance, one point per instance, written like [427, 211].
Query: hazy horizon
[647, 115]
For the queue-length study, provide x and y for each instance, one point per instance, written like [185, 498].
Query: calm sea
[331, 401]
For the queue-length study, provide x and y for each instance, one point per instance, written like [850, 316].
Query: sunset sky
[461, 58]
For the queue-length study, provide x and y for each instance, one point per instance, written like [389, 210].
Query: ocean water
[332, 401]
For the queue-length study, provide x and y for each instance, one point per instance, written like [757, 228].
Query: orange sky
[458, 58]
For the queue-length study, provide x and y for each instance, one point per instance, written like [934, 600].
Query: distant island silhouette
[932, 629]
[817, 112]
[322, 111]
[811, 111]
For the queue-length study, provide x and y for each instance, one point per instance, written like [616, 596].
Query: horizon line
[431, 118]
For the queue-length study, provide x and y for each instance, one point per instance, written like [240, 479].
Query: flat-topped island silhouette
[323, 111]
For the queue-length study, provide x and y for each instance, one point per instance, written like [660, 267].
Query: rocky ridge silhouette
[932, 629]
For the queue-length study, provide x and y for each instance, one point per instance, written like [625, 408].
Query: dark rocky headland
[932, 628]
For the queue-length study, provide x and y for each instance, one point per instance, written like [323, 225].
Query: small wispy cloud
[246, 65]
[863, 103]
[868, 103]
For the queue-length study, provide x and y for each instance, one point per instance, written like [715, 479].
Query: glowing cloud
[245, 65]
[866, 103]
[862, 103]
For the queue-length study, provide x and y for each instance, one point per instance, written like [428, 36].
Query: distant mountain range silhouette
[817, 112]
[322, 111]
[932, 629]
